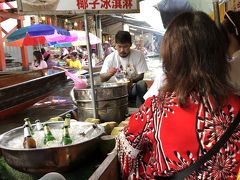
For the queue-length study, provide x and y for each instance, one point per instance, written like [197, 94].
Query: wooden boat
[21, 90]
[108, 169]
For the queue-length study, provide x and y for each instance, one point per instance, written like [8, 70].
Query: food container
[44, 160]
[111, 102]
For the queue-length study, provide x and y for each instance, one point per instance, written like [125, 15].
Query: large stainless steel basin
[43, 160]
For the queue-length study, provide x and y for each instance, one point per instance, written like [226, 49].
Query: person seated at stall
[52, 61]
[195, 107]
[73, 61]
[157, 84]
[38, 62]
[231, 25]
[64, 53]
[107, 49]
[129, 62]
[45, 54]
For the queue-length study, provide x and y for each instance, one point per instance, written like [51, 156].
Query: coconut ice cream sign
[51, 7]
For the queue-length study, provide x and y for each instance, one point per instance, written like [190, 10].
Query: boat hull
[19, 96]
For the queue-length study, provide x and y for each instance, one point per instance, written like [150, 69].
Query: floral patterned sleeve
[130, 141]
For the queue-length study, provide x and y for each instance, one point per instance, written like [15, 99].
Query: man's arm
[137, 78]
[106, 76]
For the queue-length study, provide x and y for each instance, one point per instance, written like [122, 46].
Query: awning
[146, 29]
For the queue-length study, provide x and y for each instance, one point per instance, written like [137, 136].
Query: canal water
[57, 103]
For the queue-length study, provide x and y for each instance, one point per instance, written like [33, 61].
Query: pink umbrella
[55, 37]
[78, 38]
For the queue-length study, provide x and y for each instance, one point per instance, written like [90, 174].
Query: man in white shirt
[128, 61]
[157, 83]
[64, 52]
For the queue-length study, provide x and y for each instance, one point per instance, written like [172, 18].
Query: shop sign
[51, 7]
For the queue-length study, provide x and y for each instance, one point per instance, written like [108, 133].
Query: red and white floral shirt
[163, 138]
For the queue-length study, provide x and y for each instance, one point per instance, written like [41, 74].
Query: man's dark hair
[123, 37]
[38, 56]
[75, 54]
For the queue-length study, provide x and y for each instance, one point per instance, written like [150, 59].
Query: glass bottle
[27, 121]
[66, 139]
[48, 136]
[28, 142]
[67, 120]
[38, 125]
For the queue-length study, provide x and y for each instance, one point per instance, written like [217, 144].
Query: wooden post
[24, 52]
[55, 21]
[49, 20]
[2, 53]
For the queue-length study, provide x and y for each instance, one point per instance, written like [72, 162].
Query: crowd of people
[191, 104]
[66, 58]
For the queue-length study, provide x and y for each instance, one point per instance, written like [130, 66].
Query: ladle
[88, 130]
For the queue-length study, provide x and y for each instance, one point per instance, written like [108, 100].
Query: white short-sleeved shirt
[134, 60]
[157, 83]
[65, 51]
[234, 73]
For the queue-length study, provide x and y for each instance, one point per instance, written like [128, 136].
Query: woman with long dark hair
[194, 108]
[38, 62]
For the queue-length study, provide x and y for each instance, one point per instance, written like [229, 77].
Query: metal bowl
[44, 160]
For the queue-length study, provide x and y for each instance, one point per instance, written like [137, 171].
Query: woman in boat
[45, 54]
[74, 62]
[107, 49]
[194, 108]
[231, 24]
[38, 63]
[52, 61]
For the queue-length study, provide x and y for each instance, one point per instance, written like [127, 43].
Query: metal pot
[111, 102]
[44, 160]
